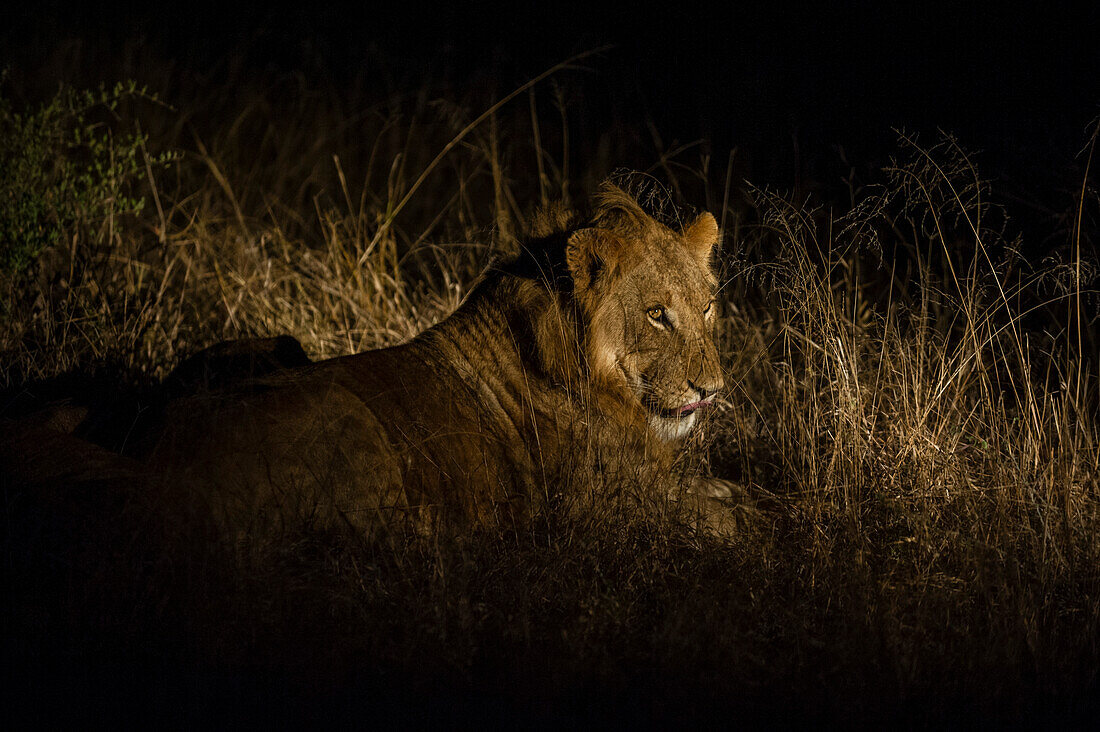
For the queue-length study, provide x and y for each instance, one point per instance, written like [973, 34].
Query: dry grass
[912, 404]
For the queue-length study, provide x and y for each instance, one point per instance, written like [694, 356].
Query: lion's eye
[655, 313]
[708, 308]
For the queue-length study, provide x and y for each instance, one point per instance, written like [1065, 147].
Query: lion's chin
[672, 428]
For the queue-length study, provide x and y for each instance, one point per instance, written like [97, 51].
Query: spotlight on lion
[646, 446]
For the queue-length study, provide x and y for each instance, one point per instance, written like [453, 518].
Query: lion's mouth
[685, 410]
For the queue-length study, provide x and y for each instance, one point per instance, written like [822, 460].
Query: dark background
[801, 90]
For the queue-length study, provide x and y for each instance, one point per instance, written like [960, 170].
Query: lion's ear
[701, 236]
[616, 209]
[591, 254]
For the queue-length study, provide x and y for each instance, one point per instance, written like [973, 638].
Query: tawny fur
[553, 376]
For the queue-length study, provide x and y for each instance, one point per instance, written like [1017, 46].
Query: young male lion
[577, 365]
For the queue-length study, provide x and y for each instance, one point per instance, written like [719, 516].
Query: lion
[579, 364]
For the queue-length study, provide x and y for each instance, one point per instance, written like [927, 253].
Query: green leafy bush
[65, 169]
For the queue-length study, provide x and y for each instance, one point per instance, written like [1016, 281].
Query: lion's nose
[706, 389]
[706, 378]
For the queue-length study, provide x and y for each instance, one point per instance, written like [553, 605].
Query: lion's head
[647, 293]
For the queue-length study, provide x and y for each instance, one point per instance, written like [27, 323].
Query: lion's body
[542, 383]
[458, 423]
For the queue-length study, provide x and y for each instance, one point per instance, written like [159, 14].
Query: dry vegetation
[912, 405]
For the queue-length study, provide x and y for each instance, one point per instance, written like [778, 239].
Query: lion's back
[389, 435]
[277, 452]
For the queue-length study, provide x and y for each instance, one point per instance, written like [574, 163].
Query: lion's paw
[719, 488]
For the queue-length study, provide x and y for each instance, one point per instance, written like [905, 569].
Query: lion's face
[648, 294]
[665, 313]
